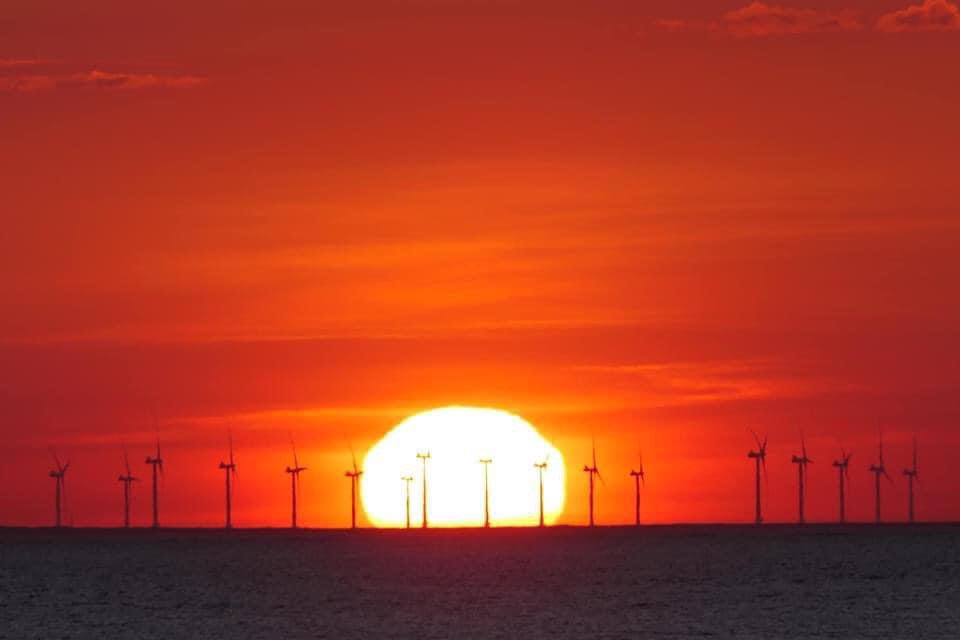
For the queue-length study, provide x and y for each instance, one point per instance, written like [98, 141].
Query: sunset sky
[655, 224]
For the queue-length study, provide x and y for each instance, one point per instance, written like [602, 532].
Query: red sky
[660, 225]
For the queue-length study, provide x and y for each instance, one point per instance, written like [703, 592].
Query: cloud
[932, 15]
[674, 25]
[28, 76]
[9, 63]
[759, 19]
[689, 383]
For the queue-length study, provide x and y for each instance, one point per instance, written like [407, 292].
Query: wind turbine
[126, 480]
[760, 456]
[156, 462]
[229, 471]
[59, 476]
[843, 470]
[591, 471]
[912, 474]
[406, 482]
[354, 476]
[878, 470]
[638, 477]
[541, 467]
[802, 461]
[486, 491]
[423, 458]
[294, 472]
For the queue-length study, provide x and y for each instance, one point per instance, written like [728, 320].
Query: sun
[457, 438]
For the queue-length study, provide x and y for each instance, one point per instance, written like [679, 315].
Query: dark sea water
[657, 582]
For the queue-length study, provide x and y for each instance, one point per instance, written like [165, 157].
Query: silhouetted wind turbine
[354, 476]
[843, 470]
[486, 491]
[541, 467]
[229, 471]
[406, 482]
[424, 457]
[638, 477]
[59, 476]
[156, 462]
[760, 456]
[126, 480]
[912, 474]
[802, 461]
[591, 471]
[878, 470]
[294, 472]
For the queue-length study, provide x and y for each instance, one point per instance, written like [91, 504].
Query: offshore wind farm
[454, 476]
[479, 319]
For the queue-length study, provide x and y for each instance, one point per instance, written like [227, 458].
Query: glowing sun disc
[457, 438]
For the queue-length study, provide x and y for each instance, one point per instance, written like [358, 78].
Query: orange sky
[661, 225]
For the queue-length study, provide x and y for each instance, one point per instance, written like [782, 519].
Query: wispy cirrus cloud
[930, 15]
[27, 76]
[688, 383]
[759, 19]
[12, 63]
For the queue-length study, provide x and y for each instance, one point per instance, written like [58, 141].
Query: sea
[772, 581]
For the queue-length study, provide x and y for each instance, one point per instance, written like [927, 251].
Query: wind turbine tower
[843, 470]
[229, 471]
[59, 476]
[912, 475]
[155, 462]
[423, 457]
[294, 472]
[406, 485]
[802, 461]
[354, 476]
[126, 480]
[638, 477]
[486, 491]
[592, 471]
[541, 467]
[878, 470]
[760, 457]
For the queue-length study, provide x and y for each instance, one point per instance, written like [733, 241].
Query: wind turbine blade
[353, 458]
[56, 460]
[593, 448]
[126, 460]
[756, 438]
[880, 446]
[296, 463]
[915, 455]
[230, 438]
